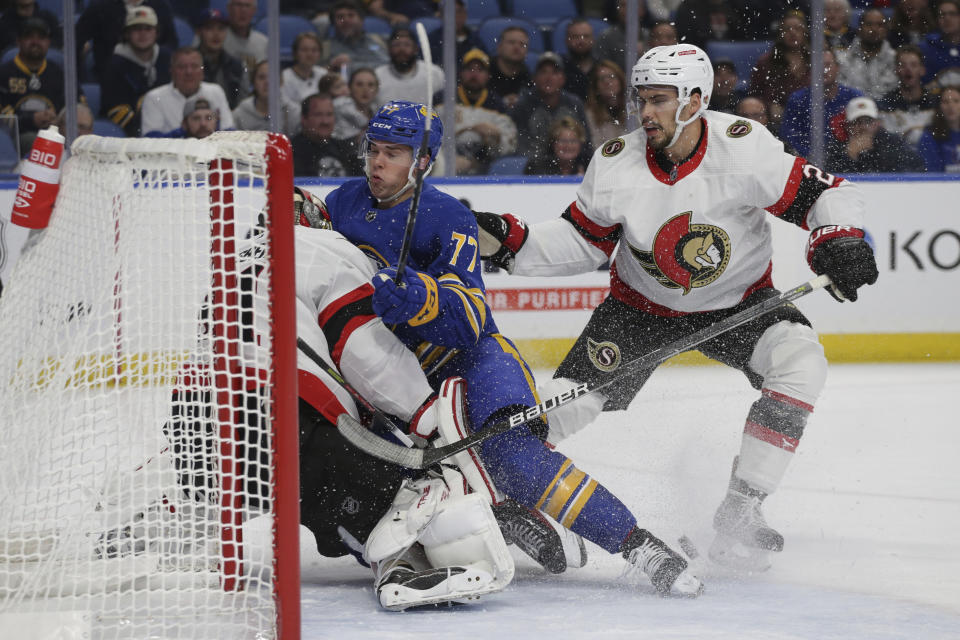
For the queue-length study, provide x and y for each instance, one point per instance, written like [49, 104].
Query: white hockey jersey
[335, 317]
[694, 239]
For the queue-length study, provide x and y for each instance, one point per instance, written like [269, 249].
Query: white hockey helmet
[684, 66]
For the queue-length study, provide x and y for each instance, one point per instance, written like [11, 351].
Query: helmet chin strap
[681, 124]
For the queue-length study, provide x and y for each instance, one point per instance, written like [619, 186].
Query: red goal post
[149, 476]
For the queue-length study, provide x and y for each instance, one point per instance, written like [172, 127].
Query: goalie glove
[423, 424]
[501, 237]
[841, 253]
[414, 301]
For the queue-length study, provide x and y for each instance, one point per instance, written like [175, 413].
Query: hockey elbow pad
[841, 253]
[501, 237]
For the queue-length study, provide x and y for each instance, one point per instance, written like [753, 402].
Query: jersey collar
[685, 167]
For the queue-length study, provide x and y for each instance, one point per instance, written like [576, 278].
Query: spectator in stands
[200, 118]
[537, 108]
[796, 124]
[137, 65]
[354, 110]
[837, 33]
[253, 112]
[868, 147]
[785, 68]
[84, 120]
[610, 43]
[606, 105]
[334, 84]
[940, 143]
[162, 110]
[466, 38]
[508, 73]
[103, 21]
[300, 79]
[662, 34]
[908, 109]
[31, 87]
[20, 10]
[484, 132]
[567, 151]
[912, 20]
[243, 41]
[219, 67]
[754, 108]
[941, 49]
[699, 21]
[315, 151]
[657, 9]
[579, 61]
[405, 76]
[868, 63]
[400, 12]
[350, 46]
[726, 93]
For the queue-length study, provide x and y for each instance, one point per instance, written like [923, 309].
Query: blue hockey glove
[413, 301]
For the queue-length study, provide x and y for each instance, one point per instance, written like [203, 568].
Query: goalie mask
[683, 66]
[403, 122]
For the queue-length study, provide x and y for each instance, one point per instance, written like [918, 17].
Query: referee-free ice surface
[870, 510]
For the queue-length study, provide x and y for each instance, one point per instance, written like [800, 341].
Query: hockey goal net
[148, 449]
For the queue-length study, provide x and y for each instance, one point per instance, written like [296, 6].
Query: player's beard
[662, 139]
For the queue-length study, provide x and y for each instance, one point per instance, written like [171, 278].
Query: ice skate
[744, 540]
[552, 547]
[667, 569]
[403, 588]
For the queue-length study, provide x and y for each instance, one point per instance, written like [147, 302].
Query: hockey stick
[363, 402]
[423, 458]
[421, 154]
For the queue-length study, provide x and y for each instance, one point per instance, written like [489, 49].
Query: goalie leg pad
[465, 533]
[414, 506]
[452, 427]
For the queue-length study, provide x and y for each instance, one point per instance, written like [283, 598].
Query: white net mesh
[135, 373]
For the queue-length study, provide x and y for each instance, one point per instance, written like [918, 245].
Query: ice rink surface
[870, 509]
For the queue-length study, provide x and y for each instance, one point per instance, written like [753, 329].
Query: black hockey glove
[500, 238]
[841, 253]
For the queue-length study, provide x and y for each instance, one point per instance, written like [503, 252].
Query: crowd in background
[534, 99]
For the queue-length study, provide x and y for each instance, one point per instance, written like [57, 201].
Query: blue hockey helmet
[403, 122]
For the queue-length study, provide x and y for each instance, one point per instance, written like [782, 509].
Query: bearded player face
[657, 110]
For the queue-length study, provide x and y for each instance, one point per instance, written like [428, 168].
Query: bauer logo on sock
[604, 355]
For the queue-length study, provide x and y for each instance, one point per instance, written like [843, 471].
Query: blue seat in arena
[544, 12]
[743, 54]
[490, 29]
[558, 34]
[531, 61]
[508, 166]
[290, 27]
[91, 91]
[8, 152]
[379, 26]
[480, 10]
[107, 128]
[185, 33]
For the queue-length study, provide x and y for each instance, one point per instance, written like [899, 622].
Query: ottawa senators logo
[612, 148]
[739, 129]
[604, 355]
[686, 256]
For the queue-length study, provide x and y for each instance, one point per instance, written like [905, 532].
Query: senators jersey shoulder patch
[739, 129]
[612, 147]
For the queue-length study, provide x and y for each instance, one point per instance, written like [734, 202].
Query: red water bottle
[39, 181]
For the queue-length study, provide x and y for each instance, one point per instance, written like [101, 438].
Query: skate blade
[463, 588]
[734, 556]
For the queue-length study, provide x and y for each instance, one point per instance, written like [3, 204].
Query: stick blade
[369, 442]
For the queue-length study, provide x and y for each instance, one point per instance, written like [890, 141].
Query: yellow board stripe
[547, 353]
[565, 489]
[563, 468]
[581, 501]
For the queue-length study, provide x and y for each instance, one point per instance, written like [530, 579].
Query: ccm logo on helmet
[687, 52]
